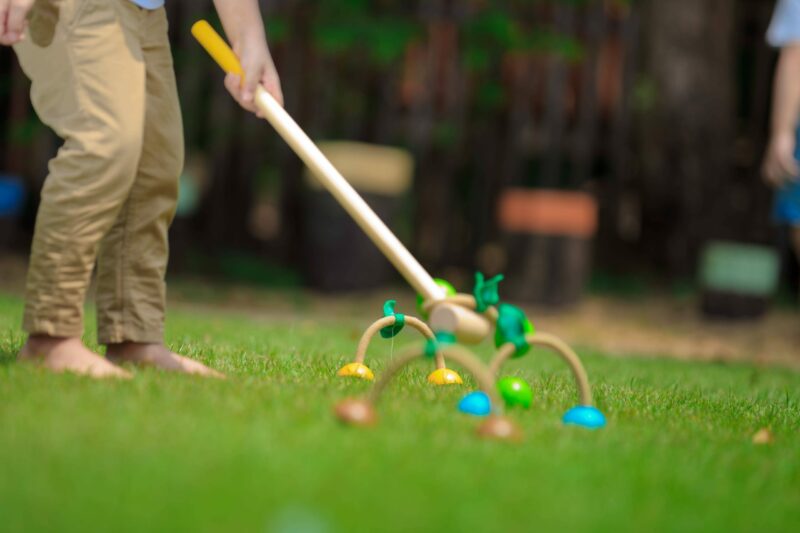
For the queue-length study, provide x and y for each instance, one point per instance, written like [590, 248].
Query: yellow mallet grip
[216, 47]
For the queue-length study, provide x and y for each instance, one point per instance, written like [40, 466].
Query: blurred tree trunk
[687, 129]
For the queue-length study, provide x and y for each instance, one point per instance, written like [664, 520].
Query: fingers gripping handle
[219, 50]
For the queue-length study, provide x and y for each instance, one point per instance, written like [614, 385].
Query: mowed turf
[262, 452]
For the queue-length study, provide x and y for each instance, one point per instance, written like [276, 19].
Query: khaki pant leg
[133, 257]
[87, 79]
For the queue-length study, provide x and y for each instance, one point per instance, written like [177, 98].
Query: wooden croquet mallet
[463, 322]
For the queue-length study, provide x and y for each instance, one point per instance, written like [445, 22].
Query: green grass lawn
[262, 452]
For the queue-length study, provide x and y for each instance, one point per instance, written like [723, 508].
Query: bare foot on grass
[68, 354]
[158, 356]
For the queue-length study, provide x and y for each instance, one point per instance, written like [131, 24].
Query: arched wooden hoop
[558, 346]
[460, 355]
[419, 325]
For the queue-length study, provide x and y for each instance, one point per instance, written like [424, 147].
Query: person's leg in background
[132, 262]
[88, 85]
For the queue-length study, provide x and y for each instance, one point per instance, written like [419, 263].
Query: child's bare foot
[157, 356]
[67, 354]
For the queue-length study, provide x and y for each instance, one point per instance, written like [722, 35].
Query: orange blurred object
[548, 212]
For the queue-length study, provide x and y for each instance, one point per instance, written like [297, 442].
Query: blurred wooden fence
[485, 95]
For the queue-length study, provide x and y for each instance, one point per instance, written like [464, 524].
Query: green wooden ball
[515, 392]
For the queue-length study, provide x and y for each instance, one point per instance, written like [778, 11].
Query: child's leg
[133, 256]
[88, 85]
[132, 259]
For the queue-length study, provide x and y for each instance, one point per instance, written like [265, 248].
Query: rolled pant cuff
[51, 327]
[117, 334]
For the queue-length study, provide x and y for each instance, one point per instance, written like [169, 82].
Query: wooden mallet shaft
[465, 324]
